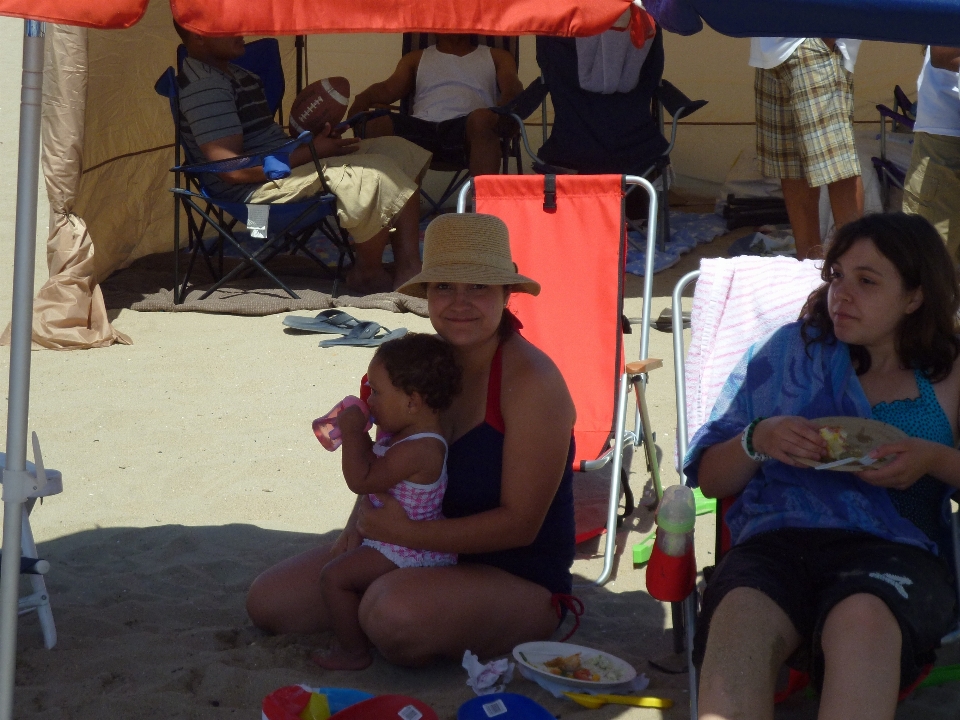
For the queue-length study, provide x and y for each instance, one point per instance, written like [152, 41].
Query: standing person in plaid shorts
[804, 93]
[412, 379]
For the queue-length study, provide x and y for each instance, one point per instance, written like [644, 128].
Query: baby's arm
[419, 461]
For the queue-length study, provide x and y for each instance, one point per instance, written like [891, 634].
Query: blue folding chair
[287, 227]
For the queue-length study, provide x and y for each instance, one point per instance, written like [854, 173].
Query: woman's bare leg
[418, 615]
[342, 584]
[286, 598]
[750, 637]
[861, 647]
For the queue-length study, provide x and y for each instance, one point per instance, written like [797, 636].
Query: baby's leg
[342, 584]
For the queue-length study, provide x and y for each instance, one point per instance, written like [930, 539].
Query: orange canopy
[87, 13]
[292, 17]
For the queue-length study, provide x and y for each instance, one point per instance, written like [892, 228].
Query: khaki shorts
[932, 188]
[805, 117]
[371, 185]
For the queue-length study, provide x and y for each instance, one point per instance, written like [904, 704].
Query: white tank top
[938, 101]
[449, 86]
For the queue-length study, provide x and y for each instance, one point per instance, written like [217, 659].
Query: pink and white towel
[738, 301]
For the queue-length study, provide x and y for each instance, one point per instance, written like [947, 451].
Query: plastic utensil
[595, 701]
[865, 460]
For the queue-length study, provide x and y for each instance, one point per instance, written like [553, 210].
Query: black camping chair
[595, 133]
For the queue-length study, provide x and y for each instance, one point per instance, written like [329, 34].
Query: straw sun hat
[468, 248]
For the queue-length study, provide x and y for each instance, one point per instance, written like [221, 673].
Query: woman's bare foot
[369, 282]
[336, 658]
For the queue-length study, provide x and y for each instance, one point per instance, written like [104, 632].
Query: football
[320, 102]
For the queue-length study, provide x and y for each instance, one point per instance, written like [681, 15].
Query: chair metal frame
[634, 377]
[299, 221]
[889, 174]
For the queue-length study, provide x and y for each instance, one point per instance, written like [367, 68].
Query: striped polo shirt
[215, 104]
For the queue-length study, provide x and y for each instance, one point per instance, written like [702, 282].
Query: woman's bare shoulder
[529, 373]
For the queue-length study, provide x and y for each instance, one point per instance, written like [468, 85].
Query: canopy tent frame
[16, 481]
[297, 17]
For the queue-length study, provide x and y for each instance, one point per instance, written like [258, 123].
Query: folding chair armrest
[359, 121]
[275, 163]
[675, 102]
[901, 99]
[639, 367]
[897, 117]
[529, 99]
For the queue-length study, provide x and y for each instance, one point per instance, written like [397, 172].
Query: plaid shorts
[805, 117]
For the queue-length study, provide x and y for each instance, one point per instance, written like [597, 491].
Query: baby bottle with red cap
[672, 570]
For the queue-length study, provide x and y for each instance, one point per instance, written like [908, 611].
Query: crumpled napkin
[638, 684]
[489, 678]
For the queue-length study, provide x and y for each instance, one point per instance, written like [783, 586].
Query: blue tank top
[474, 470]
[923, 503]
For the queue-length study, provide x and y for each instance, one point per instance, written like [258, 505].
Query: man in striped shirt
[224, 114]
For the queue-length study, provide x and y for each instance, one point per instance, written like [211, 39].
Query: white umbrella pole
[15, 479]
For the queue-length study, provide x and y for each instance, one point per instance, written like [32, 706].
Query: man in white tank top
[453, 84]
[932, 187]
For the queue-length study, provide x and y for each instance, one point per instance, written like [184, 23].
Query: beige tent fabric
[68, 311]
[106, 157]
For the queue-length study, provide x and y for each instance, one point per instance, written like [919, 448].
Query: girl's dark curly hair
[424, 364]
[928, 341]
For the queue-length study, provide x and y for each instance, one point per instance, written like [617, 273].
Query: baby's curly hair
[425, 364]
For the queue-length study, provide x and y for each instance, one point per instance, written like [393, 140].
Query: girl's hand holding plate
[912, 459]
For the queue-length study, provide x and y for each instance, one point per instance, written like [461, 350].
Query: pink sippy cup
[326, 429]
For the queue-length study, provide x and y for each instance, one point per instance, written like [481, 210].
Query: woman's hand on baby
[351, 419]
[913, 458]
[787, 437]
[382, 523]
[349, 539]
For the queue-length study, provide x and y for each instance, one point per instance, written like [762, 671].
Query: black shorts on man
[445, 139]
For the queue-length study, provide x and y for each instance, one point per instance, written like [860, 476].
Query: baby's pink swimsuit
[421, 502]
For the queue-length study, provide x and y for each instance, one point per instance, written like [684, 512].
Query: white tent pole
[15, 478]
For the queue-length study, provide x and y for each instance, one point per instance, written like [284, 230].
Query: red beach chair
[568, 232]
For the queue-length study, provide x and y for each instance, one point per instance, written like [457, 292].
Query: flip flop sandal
[365, 334]
[336, 322]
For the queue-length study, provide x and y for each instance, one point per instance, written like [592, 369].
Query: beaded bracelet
[746, 441]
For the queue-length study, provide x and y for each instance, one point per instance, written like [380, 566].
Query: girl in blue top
[844, 575]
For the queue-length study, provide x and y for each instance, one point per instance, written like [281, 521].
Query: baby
[412, 379]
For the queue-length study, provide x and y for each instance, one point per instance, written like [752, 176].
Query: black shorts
[446, 140]
[807, 572]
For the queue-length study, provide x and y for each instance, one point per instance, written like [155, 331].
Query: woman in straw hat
[509, 502]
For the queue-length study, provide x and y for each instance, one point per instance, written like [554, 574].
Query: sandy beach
[189, 466]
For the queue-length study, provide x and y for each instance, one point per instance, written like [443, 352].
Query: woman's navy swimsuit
[475, 468]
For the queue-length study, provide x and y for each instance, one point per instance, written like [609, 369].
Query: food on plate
[836, 438]
[570, 667]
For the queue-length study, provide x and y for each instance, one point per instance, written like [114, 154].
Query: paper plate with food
[850, 440]
[573, 666]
